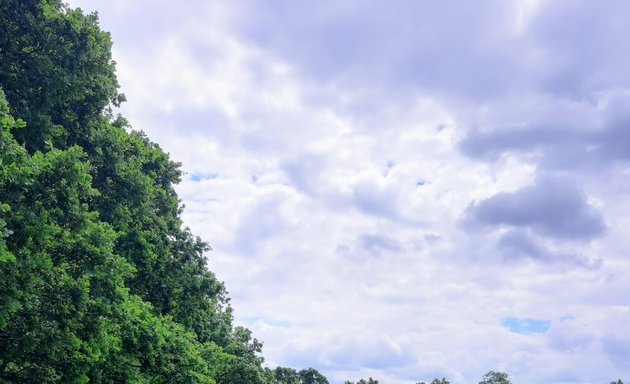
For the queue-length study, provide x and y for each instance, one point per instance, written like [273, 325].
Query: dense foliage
[99, 280]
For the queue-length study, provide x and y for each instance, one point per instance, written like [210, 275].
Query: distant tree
[436, 381]
[240, 371]
[284, 375]
[495, 377]
[368, 381]
[312, 376]
[617, 382]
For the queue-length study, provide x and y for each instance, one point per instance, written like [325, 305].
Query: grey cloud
[489, 145]
[262, 222]
[591, 134]
[552, 207]
[375, 199]
[377, 243]
[368, 246]
[585, 44]
[618, 350]
[470, 49]
[432, 45]
[304, 171]
[518, 244]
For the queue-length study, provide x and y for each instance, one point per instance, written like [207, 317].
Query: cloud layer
[385, 184]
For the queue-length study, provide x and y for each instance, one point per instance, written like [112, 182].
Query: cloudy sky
[401, 189]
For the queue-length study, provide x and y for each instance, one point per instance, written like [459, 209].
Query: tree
[495, 377]
[240, 371]
[284, 375]
[437, 381]
[312, 376]
[56, 69]
[66, 315]
[99, 281]
[363, 381]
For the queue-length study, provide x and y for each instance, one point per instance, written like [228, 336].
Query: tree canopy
[100, 280]
[495, 377]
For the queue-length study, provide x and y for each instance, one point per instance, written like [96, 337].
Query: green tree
[239, 371]
[363, 381]
[99, 280]
[437, 381]
[133, 176]
[66, 315]
[56, 69]
[495, 377]
[284, 375]
[312, 376]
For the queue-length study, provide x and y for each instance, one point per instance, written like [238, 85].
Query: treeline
[492, 377]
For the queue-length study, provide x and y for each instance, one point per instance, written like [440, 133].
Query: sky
[401, 189]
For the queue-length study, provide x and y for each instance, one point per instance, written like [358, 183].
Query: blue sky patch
[279, 323]
[526, 326]
[203, 176]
